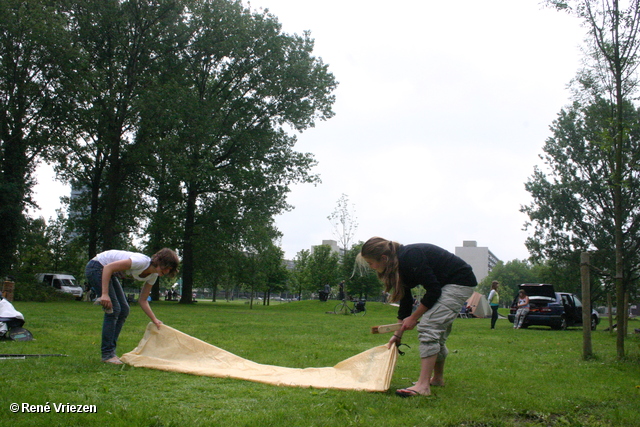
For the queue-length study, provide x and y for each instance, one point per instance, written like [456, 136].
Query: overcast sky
[441, 113]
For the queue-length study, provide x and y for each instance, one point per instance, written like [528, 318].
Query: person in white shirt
[102, 275]
[494, 302]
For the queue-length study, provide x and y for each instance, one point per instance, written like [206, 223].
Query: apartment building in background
[480, 258]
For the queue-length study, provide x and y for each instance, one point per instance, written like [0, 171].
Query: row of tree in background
[265, 273]
[174, 120]
[565, 278]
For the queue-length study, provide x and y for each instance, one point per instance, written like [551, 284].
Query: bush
[34, 291]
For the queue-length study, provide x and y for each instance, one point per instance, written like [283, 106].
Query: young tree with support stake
[610, 175]
[344, 222]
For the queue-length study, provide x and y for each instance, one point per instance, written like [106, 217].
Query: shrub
[34, 291]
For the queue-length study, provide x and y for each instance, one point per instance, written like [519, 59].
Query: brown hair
[374, 249]
[166, 258]
[494, 284]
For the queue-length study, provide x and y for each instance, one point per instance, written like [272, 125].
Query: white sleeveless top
[139, 263]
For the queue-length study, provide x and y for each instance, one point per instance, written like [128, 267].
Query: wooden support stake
[587, 349]
[383, 329]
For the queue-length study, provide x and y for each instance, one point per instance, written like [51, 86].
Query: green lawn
[501, 377]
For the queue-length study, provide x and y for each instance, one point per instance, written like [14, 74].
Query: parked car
[558, 310]
[62, 282]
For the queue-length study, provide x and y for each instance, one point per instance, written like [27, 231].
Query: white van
[62, 282]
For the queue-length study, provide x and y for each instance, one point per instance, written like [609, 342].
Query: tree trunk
[617, 180]
[610, 312]
[13, 188]
[187, 248]
[626, 312]
[587, 349]
[214, 289]
[112, 196]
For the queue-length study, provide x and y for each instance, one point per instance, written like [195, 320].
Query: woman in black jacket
[448, 281]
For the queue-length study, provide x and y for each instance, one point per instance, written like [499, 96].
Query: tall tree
[301, 276]
[363, 282]
[323, 268]
[240, 83]
[275, 273]
[613, 42]
[119, 44]
[33, 54]
[573, 203]
[36, 253]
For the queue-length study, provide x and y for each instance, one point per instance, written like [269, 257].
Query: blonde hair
[375, 249]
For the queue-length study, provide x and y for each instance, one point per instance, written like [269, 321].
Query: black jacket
[432, 267]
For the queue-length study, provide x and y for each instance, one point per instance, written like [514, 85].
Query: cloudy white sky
[441, 113]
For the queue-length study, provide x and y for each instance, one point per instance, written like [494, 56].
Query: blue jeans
[113, 322]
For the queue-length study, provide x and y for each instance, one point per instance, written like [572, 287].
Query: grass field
[501, 377]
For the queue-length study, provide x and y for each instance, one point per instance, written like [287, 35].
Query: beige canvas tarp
[171, 350]
[479, 305]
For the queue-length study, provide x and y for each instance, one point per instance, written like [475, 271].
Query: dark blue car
[558, 310]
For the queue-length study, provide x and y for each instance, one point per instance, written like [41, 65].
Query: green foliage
[360, 282]
[274, 274]
[27, 289]
[323, 268]
[500, 377]
[224, 142]
[564, 278]
[572, 203]
[301, 277]
[263, 271]
[212, 165]
[36, 255]
[313, 270]
[118, 46]
[572, 207]
[509, 275]
[50, 248]
[32, 44]
[595, 162]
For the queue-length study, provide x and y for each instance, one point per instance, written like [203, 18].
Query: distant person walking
[341, 291]
[102, 274]
[522, 309]
[494, 302]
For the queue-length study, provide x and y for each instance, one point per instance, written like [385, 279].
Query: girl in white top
[102, 274]
[494, 300]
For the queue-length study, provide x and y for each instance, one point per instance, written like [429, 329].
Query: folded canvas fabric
[171, 350]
